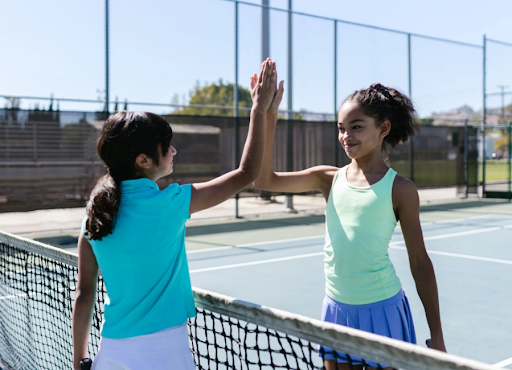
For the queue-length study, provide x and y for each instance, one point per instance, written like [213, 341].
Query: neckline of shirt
[363, 187]
[137, 184]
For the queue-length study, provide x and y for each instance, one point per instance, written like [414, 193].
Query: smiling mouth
[349, 145]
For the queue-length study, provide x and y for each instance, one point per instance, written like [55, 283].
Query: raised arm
[405, 196]
[85, 296]
[211, 193]
[314, 178]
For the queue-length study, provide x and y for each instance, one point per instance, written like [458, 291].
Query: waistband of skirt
[397, 298]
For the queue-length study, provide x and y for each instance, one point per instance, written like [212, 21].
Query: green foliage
[217, 94]
[426, 121]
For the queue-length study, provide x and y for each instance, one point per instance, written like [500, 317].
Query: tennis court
[470, 250]
[278, 262]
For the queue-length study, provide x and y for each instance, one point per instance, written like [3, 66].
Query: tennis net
[37, 285]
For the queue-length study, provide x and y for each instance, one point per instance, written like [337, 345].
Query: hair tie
[382, 89]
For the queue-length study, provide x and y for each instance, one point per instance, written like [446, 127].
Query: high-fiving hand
[264, 92]
[263, 87]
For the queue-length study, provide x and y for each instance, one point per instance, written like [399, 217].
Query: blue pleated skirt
[391, 318]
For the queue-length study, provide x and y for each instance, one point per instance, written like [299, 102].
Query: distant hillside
[459, 115]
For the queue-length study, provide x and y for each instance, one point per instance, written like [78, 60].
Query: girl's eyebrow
[353, 121]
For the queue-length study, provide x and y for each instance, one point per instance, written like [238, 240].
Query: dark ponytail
[124, 136]
[383, 103]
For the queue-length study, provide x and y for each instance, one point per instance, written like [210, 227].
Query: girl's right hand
[278, 95]
[263, 88]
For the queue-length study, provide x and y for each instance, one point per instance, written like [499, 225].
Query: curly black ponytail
[383, 103]
[124, 136]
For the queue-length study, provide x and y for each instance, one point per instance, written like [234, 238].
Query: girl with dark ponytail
[135, 233]
[365, 200]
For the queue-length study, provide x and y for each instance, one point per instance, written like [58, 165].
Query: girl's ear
[143, 161]
[385, 127]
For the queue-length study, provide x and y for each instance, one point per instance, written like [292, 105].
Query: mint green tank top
[359, 224]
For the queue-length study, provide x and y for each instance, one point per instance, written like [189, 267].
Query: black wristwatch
[85, 364]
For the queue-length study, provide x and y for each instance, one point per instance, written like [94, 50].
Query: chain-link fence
[195, 57]
[48, 158]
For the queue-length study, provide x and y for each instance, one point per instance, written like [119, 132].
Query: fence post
[509, 160]
[107, 59]
[466, 169]
[336, 144]
[289, 115]
[235, 111]
[8, 151]
[411, 140]
[34, 142]
[484, 115]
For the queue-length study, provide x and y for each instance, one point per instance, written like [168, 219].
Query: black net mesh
[36, 296]
[222, 342]
[37, 287]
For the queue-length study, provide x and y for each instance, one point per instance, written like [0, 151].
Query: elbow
[421, 267]
[259, 184]
[84, 296]
[249, 174]
[263, 182]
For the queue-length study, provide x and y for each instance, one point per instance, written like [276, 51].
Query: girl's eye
[341, 129]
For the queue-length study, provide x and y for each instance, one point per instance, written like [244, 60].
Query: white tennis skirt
[165, 349]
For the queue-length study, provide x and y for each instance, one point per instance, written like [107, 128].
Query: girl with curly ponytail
[135, 233]
[365, 200]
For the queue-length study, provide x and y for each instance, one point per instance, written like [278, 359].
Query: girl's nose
[172, 150]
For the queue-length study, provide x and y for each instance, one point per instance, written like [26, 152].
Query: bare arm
[314, 178]
[211, 193]
[85, 296]
[405, 196]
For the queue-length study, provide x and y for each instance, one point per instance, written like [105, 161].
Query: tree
[425, 121]
[217, 94]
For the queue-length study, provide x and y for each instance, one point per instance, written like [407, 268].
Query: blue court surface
[472, 257]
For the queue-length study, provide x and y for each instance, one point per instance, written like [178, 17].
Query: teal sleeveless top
[359, 224]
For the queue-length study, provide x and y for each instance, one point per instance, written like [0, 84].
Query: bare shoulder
[404, 191]
[320, 178]
[328, 171]
[325, 174]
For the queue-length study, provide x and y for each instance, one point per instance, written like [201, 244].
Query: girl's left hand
[278, 95]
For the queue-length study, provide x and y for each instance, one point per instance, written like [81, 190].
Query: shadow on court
[251, 224]
[61, 241]
[463, 205]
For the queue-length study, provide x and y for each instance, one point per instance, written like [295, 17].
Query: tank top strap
[340, 173]
[389, 179]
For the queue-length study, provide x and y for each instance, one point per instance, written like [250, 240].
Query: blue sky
[160, 49]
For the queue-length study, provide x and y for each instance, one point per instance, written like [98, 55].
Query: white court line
[464, 256]
[257, 262]
[471, 232]
[456, 220]
[393, 245]
[256, 244]
[503, 363]
[13, 296]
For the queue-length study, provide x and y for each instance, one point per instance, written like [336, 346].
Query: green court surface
[278, 262]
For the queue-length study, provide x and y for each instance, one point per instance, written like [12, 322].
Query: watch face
[85, 364]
